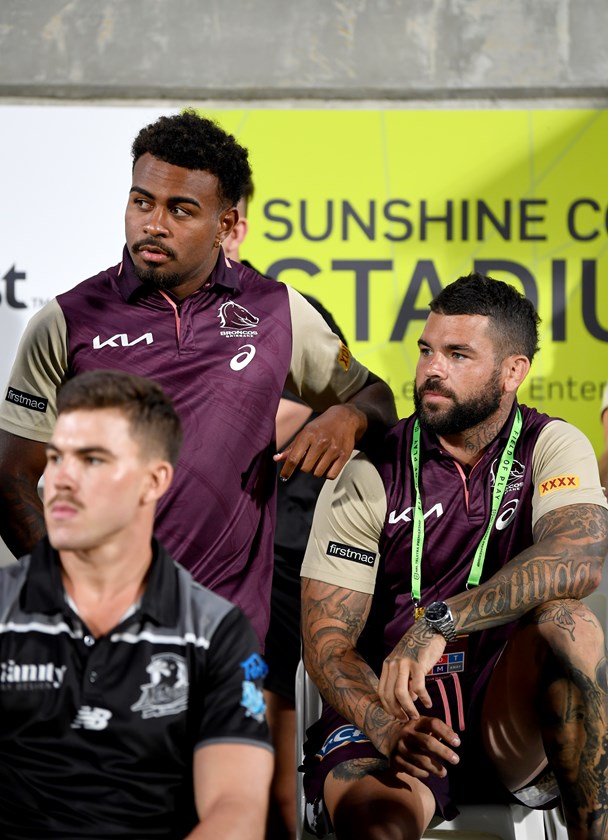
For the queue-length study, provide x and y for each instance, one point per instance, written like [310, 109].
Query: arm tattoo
[565, 561]
[414, 641]
[561, 613]
[332, 619]
[583, 709]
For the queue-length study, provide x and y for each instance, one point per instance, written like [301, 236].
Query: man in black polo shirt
[131, 697]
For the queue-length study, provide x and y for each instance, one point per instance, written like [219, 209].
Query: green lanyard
[500, 484]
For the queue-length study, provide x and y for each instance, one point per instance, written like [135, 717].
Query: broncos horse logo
[516, 476]
[236, 316]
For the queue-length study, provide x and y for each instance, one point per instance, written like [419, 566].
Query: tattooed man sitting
[441, 597]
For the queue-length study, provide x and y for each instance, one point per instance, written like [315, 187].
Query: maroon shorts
[457, 699]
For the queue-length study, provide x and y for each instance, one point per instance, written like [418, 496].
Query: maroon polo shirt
[222, 354]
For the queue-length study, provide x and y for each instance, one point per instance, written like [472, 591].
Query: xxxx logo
[559, 482]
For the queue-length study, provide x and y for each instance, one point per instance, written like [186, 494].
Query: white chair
[475, 822]
[308, 709]
[490, 822]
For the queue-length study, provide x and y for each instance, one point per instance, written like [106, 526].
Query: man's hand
[325, 444]
[423, 746]
[402, 681]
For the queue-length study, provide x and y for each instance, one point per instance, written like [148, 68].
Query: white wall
[66, 173]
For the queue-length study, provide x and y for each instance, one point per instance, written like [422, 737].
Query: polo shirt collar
[504, 433]
[225, 274]
[160, 598]
[43, 591]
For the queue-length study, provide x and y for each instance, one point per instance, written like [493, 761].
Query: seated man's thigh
[553, 637]
[364, 792]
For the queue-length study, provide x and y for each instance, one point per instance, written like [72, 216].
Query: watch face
[436, 611]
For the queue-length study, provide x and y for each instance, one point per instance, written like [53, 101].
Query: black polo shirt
[97, 736]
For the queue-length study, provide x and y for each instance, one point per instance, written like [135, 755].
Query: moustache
[62, 498]
[153, 243]
[435, 388]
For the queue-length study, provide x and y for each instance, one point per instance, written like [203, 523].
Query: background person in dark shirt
[131, 697]
[296, 500]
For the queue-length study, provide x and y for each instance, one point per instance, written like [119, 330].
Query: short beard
[154, 279]
[464, 414]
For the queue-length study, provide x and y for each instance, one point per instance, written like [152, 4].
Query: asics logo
[121, 340]
[506, 514]
[243, 357]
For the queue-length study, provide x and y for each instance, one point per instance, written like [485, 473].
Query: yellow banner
[372, 212]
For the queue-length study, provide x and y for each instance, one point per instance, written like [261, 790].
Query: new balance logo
[91, 717]
[121, 340]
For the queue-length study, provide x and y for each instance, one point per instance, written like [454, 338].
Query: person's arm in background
[350, 400]
[291, 416]
[22, 463]
[231, 783]
[326, 443]
[25, 426]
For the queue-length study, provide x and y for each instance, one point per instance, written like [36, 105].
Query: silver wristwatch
[439, 618]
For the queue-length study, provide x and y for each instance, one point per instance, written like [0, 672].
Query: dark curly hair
[195, 142]
[513, 317]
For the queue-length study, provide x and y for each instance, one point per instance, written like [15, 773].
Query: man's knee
[567, 623]
[572, 643]
[376, 818]
[366, 800]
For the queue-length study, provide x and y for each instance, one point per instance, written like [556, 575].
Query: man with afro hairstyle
[220, 339]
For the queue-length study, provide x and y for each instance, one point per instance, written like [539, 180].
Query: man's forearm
[565, 562]
[377, 403]
[350, 686]
[21, 516]
[236, 820]
[344, 678]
